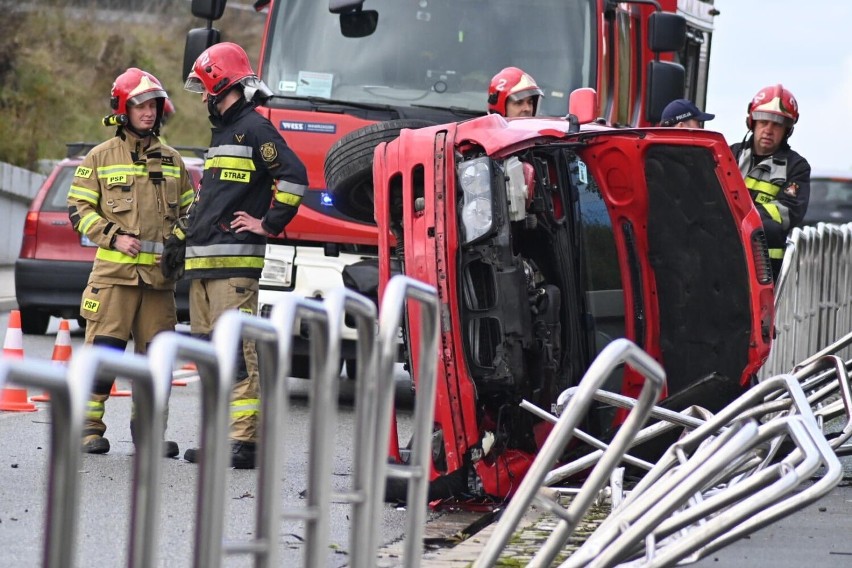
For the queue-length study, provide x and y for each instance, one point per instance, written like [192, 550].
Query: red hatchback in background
[54, 263]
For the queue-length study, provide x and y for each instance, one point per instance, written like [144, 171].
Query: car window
[57, 195]
[602, 258]
[831, 191]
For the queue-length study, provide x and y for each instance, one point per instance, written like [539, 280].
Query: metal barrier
[616, 353]
[813, 307]
[67, 410]
[374, 397]
[724, 478]
[216, 361]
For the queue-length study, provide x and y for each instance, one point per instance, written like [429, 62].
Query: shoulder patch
[792, 190]
[82, 172]
[268, 151]
[168, 160]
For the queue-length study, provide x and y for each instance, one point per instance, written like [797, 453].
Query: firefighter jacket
[247, 167]
[122, 187]
[780, 186]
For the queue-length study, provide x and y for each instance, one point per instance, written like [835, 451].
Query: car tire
[349, 166]
[34, 322]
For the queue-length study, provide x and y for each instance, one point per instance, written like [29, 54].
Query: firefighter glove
[174, 252]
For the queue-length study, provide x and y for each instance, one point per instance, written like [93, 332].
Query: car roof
[831, 174]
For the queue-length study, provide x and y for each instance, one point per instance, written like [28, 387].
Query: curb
[7, 304]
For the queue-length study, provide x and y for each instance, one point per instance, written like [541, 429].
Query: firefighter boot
[94, 428]
[242, 455]
[170, 448]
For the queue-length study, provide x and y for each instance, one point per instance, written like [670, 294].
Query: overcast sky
[806, 46]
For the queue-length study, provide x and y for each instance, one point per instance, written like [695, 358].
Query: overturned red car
[546, 240]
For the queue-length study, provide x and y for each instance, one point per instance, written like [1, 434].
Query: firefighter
[248, 166]
[682, 113]
[778, 178]
[513, 93]
[125, 197]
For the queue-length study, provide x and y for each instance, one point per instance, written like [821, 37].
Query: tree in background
[56, 61]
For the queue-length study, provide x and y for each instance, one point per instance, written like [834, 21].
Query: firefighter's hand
[244, 222]
[174, 254]
[127, 244]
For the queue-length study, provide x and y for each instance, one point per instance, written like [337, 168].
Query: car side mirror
[583, 103]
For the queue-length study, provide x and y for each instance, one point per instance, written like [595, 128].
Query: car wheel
[349, 166]
[34, 322]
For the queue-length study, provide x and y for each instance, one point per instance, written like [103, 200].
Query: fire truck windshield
[434, 53]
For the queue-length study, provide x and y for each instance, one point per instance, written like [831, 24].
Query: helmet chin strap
[213, 105]
[144, 133]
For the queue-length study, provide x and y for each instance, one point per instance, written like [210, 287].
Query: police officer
[778, 178]
[247, 166]
[682, 113]
[125, 197]
[513, 93]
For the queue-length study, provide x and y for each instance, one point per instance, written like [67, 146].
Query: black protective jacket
[247, 167]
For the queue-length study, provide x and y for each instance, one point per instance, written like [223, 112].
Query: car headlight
[477, 208]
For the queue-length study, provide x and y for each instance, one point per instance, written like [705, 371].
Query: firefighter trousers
[208, 299]
[114, 314]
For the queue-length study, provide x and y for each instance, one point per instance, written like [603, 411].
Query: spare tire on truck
[349, 166]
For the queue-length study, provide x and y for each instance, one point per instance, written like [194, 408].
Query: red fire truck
[343, 65]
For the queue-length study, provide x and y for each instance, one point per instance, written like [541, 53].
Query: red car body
[648, 234]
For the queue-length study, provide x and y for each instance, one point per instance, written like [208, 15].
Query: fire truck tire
[349, 166]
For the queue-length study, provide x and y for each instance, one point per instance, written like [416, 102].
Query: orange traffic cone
[11, 398]
[61, 353]
[115, 392]
[179, 377]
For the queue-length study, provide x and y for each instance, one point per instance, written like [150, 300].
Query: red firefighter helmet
[133, 87]
[774, 103]
[511, 84]
[219, 68]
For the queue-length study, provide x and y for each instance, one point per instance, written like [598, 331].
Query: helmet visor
[147, 96]
[524, 93]
[772, 117]
[193, 84]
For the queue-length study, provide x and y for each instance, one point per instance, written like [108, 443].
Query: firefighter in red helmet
[778, 178]
[248, 166]
[125, 197]
[513, 93]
